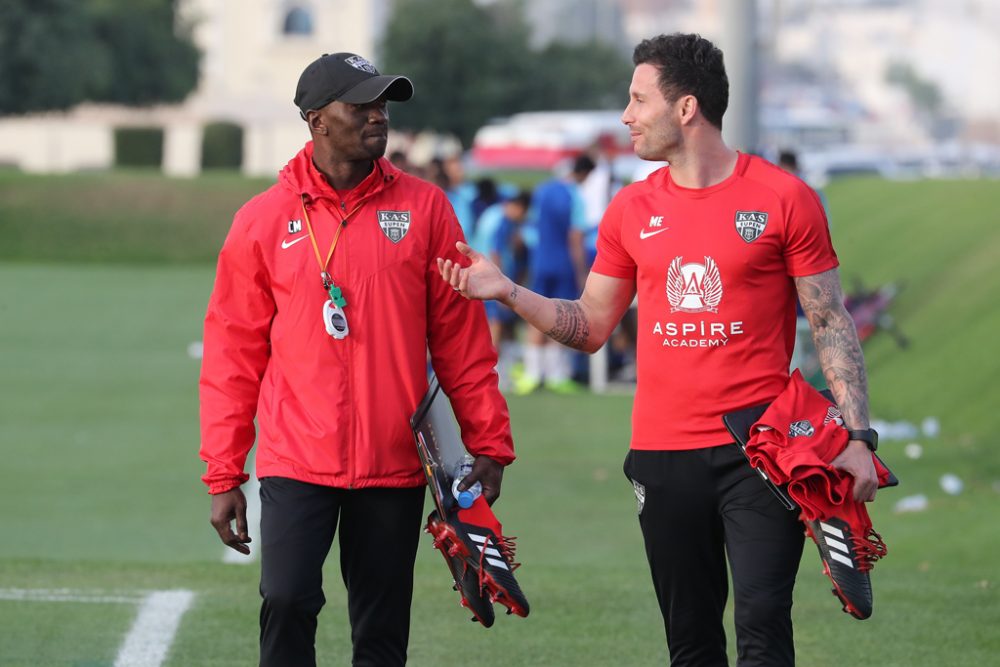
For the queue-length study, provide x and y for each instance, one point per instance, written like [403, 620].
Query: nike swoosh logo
[289, 244]
[645, 234]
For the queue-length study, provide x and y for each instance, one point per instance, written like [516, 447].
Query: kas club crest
[803, 427]
[694, 287]
[357, 62]
[394, 224]
[750, 224]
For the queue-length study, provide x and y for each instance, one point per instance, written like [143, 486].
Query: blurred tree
[48, 54]
[152, 55]
[467, 63]
[581, 76]
[471, 62]
[57, 53]
[924, 94]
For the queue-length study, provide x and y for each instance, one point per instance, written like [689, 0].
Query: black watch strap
[868, 435]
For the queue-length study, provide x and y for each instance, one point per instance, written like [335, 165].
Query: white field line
[153, 630]
[67, 595]
[252, 492]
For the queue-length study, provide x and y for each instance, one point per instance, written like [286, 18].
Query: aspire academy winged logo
[694, 287]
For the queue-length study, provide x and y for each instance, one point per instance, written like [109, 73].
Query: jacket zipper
[352, 424]
[352, 453]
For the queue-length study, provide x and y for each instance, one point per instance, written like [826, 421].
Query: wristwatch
[868, 435]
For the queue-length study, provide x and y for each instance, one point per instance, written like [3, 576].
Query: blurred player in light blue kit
[556, 209]
[508, 248]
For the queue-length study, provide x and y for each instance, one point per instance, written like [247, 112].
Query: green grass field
[134, 216]
[100, 501]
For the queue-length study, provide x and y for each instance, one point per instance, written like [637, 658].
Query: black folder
[738, 424]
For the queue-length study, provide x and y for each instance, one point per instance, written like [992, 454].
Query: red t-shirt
[713, 270]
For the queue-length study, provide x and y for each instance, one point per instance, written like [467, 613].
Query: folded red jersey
[794, 442]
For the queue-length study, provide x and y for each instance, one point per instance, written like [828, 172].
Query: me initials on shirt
[656, 227]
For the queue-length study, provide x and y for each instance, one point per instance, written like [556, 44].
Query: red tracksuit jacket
[336, 412]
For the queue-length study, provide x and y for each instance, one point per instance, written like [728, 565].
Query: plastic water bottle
[467, 497]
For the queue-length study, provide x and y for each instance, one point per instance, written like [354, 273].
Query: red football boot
[481, 560]
[848, 547]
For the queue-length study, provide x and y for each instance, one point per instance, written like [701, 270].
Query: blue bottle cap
[465, 499]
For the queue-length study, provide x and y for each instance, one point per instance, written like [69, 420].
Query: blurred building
[577, 21]
[253, 53]
[825, 73]
[823, 79]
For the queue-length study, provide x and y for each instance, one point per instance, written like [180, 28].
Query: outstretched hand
[480, 280]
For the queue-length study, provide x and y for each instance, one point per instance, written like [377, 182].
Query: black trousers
[698, 507]
[379, 531]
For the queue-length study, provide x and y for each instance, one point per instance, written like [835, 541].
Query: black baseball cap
[347, 77]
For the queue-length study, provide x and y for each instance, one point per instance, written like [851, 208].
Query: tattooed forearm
[837, 345]
[844, 369]
[571, 327]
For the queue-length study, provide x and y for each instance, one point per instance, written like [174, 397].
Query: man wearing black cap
[324, 307]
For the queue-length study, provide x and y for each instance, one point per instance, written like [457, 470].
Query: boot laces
[507, 546]
[869, 548]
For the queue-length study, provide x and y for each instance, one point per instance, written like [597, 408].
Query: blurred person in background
[324, 307]
[401, 161]
[508, 250]
[804, 355]
[556, 207]
[788, 160]
[487, 194]
[449, 175]
[499, 234]
[718, 246]
[596, 191]
[488, 206]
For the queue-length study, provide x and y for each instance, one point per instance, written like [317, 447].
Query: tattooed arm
[584, 324]
[843, 366]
